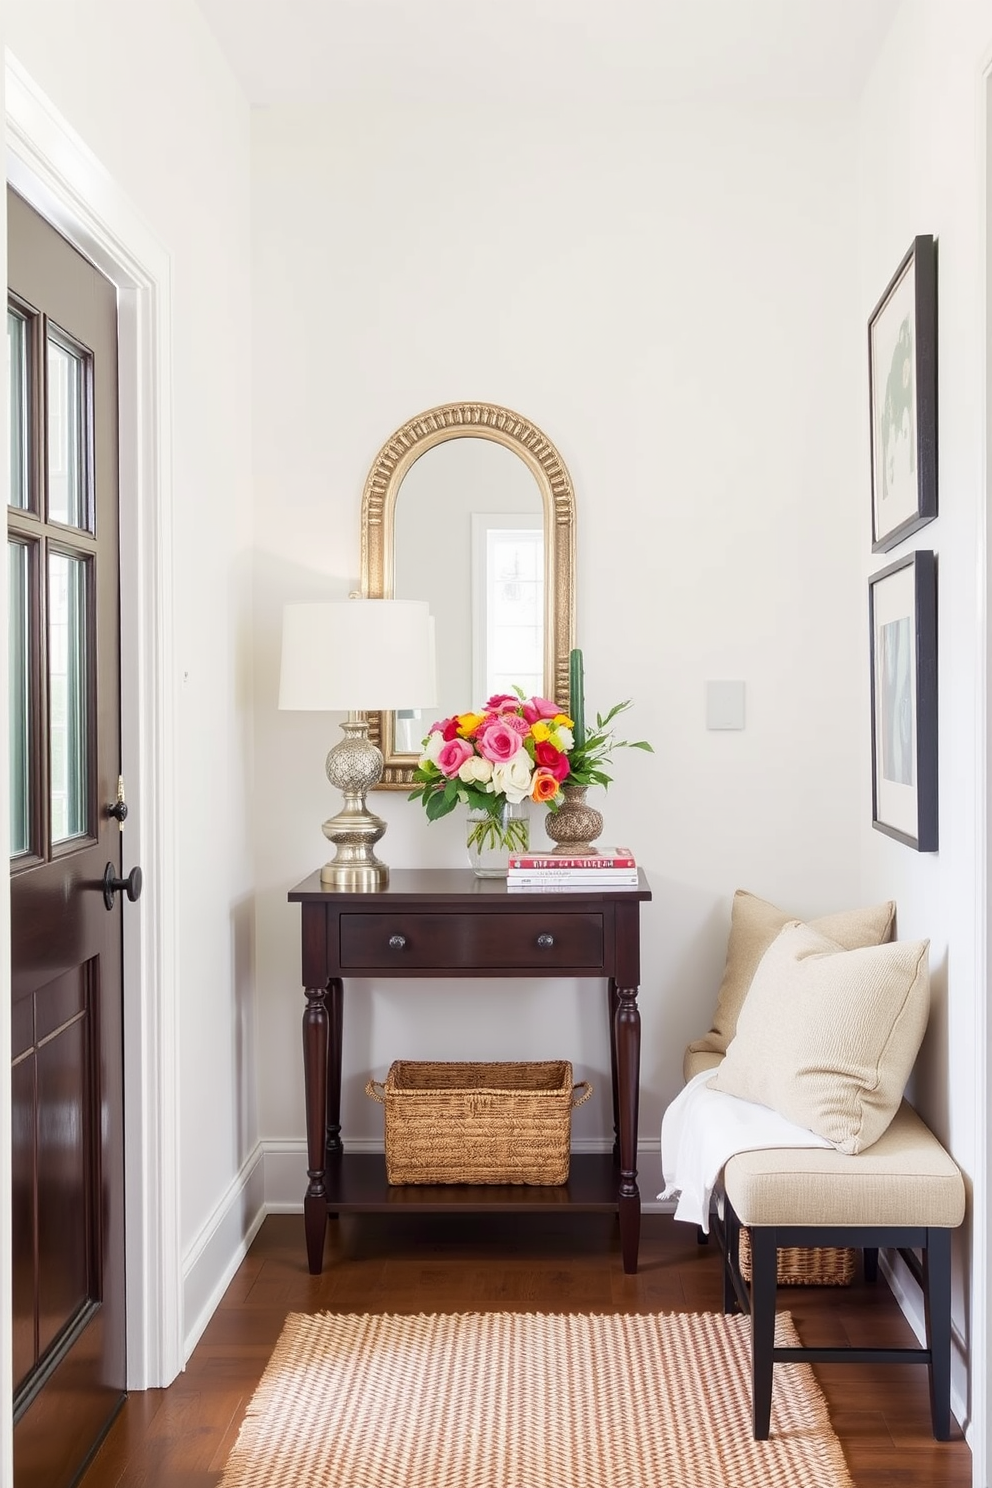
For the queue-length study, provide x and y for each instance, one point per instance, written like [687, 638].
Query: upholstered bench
[821, 1022]
[904, 1191]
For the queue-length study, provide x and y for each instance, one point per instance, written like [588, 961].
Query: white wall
[672, 295]
[145, 88]
[921, 170]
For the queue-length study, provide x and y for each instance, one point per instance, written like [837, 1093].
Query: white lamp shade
[358, 654]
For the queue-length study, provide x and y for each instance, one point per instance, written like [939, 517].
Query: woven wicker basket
[478, 1123]
[822, 1265]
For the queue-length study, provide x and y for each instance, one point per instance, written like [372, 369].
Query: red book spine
[617, 857]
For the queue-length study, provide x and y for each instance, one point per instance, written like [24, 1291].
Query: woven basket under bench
[478, 1123]
[822, 1265]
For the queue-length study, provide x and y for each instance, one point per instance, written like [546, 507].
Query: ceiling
[526, 53]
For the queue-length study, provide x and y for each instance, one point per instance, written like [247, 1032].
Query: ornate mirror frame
[401, 450]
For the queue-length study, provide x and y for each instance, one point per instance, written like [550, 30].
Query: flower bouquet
[514, 750]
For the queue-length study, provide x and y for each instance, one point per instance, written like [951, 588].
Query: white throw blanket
[702, 1130]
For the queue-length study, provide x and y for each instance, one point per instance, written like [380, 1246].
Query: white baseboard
[285, 1173]
[213, 1258]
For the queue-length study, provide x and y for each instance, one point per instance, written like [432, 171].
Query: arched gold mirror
[484, 529]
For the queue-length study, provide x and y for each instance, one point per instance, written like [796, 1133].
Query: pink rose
[515, 722]
[499, 743]
[512, 720]
[501, 702]
[454, 754]
[535, 708]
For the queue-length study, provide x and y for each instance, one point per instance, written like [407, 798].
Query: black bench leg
[937, 1305]
[764, 1276]
[731, 1258]
[871, 1263]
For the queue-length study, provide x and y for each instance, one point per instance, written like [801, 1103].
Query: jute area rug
[527, 1400]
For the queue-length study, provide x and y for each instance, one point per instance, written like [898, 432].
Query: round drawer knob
[545, 942]
[397, 942]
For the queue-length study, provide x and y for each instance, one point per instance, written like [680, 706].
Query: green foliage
[590, 763]
[441, 795]
[492, 833]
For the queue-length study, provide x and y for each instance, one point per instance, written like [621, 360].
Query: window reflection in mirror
[469, 538]
[507, 603]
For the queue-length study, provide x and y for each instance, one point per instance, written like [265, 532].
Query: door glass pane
[17, 412]
[68, 691]
[66, 435]
[19, 671]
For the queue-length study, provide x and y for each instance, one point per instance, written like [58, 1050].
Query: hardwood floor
[180, 1437]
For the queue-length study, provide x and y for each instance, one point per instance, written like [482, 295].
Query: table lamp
[351, 656]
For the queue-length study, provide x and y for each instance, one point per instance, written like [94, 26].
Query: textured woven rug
[527, 1400]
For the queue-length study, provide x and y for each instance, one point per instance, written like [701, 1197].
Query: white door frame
[980, 1435]
[51, 167]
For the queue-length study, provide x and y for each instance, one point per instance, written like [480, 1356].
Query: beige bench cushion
[905, 1178]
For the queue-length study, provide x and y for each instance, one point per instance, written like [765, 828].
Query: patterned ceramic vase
[575, 825]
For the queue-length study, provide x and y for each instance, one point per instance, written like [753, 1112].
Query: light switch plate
[725, 705]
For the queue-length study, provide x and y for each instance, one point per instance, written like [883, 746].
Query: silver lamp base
[355, 766]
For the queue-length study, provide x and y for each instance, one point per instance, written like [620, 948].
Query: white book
[582, 886]
[546, 877]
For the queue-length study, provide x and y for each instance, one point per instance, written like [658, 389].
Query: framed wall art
[902, 376]
[902, 622]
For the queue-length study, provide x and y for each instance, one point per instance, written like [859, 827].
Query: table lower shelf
[356, 1182]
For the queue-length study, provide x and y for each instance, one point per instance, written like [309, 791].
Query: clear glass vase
[491, 839]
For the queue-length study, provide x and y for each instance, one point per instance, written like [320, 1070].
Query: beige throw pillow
[828, 1037]
[754, 924]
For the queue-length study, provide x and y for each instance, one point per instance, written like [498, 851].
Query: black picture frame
[902, 625]
[902, 379]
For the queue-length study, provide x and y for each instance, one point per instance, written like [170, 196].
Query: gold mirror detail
[398, 454]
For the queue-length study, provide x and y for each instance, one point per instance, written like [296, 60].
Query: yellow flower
[562, 719]
[540, 731]
[468, 723]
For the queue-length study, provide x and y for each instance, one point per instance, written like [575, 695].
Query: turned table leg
[334, 1004]
[628, 1044]
[614, 1003]
[315, 1040]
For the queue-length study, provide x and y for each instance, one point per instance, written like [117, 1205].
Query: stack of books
[607, 868]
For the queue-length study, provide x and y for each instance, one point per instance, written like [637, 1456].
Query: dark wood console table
[448, 923]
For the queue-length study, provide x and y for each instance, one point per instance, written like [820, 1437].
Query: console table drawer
[497, 942]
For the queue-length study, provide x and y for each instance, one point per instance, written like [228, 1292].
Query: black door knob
[118, 810]
[112, 885]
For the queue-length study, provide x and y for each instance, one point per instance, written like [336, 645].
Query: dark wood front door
[66, 1009]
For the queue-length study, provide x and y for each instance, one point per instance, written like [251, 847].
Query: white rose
[475, 769]
[564, 737]
[513, 778]
[433, 747]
